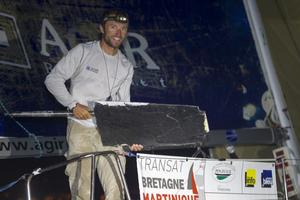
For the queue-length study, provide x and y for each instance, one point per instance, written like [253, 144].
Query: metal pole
[93, 168]
[122, 177]
[42, 114]
[28, 186]
[284, 179]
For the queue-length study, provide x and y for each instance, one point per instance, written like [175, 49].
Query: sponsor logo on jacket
[92, 69]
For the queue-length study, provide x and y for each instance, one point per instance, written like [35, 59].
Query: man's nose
[119, 32]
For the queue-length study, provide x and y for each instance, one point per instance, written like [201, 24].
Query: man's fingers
[136, 147]
[81, 112]
[85, 115]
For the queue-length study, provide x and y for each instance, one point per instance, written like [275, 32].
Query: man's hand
[81, 112]
[136, 147]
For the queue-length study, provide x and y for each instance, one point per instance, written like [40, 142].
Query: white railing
[77, 158]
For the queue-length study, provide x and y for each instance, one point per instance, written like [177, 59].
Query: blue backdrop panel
[186, 52]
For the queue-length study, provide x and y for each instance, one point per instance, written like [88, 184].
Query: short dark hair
[115, 15]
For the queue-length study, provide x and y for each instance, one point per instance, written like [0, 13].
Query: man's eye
[113, 26]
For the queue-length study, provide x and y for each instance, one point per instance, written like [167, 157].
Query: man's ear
[101, 28]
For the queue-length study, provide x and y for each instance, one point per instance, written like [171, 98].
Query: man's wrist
[72, 106]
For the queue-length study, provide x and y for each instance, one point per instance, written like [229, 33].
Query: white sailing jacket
[94, 76]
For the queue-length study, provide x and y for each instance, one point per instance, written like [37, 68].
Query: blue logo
[266, 179]
[231, 136]
[92, 69]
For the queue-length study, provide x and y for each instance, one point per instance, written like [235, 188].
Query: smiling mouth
[117, 38]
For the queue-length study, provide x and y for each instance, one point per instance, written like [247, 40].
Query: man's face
[114, 33]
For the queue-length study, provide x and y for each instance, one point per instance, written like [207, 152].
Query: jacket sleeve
[64, 70]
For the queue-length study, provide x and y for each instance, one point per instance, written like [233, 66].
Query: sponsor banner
[214, 196]
[14, 147]
[259, 178]
[178, 59]
[171, 177]
[192, 54]
[239, 179]
[223, 177]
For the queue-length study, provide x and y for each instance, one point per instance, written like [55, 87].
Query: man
[98, 71]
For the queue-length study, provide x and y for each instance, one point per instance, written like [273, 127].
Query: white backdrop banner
[181, 178]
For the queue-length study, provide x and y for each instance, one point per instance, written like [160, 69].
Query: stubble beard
[109, 42]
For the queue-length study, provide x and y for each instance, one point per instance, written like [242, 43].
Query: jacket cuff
[71, 106]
